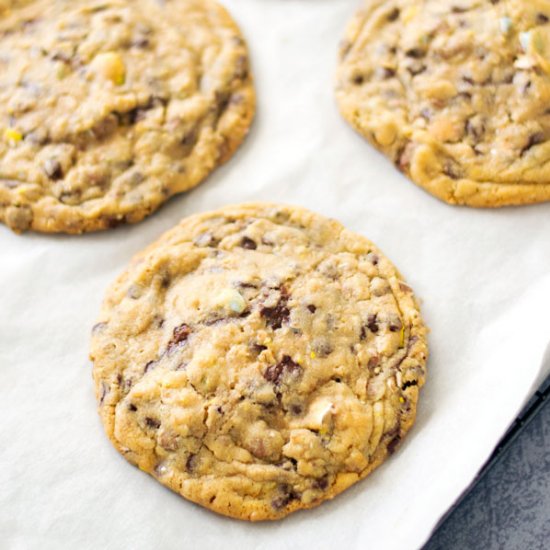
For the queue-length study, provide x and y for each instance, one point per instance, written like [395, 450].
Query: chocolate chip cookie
[258, 360]
[456, 93]
[110, 107]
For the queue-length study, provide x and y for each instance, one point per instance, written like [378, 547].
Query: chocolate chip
[179, 336]
[132, 407]
[452, 169]
[98, 327]
[475, 128]
[258, 348]
[152, 422]
[393, 444]
[393, 15]
[248, 243]
[395, 325]
[105, 127]
[286, 498]
[416, 68]
[372, 323]
[37, 137]
[283, 368]
[322, 348]
[149, 366]
[277, 315]
[191, 462]
[296, 410]
[52, 168]
[312, 308]
[243, 284]
[140, 42]
[104, 391]
[384, 73]
[415, 53]
[534, 139]
[321, 483]
[542, 18]
[358, 79]
[362, 334]
[409, 384]
[241, 68]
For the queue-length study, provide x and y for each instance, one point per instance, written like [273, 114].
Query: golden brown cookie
[456, 93]
[108, 108]
[258, 360]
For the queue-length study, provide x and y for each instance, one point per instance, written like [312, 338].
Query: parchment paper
[484, 277]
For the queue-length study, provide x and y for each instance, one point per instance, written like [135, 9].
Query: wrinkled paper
[483, 277]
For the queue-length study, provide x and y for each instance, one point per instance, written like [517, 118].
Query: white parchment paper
[483, 276]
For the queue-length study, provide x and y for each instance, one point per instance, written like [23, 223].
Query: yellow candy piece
[409, 13]
[111, 66]
[12, 135]
[312, 355]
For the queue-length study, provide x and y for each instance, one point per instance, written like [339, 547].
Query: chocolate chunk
[248, 243]
[277, 315]
[283, 368]
[52, 168]
[152, 422]
[179, 336]
[542, 18]
[132, 407]
[312, 308]
[358, 79]
[296, 410]
[409, 384]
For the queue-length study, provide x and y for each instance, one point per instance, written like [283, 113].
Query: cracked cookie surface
[258, 360]
[110, 107]
[456, 93]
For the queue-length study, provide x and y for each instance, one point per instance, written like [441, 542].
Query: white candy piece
[232, 299]
[505, 24]
[525, 40]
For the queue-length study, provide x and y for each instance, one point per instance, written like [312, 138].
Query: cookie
[258, 360]
[110, 107]
[456, 93]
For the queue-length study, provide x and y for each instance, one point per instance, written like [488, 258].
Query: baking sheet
[483, 276]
